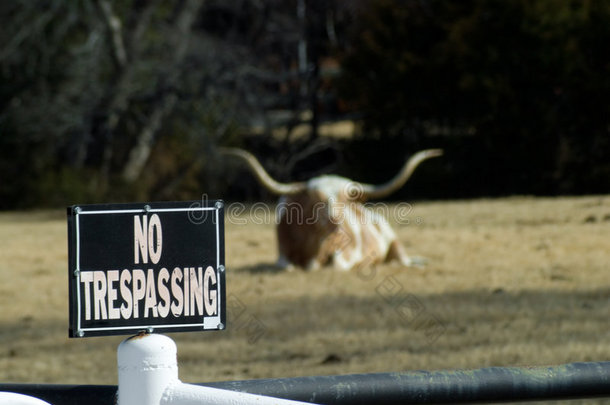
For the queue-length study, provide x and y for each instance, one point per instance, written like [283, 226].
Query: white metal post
[147, 365]
[148, 375]
[11, 398]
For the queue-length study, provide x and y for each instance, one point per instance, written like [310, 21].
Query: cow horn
[383, 190]
[261, 174]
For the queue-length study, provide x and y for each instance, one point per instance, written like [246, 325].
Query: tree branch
[141, 151]
[138, 156]
[116, 33]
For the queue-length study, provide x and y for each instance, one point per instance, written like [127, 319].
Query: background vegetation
[125, 101]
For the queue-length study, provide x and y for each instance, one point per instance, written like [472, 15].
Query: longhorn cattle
[324, 221]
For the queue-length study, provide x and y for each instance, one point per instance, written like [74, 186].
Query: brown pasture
[515, 281]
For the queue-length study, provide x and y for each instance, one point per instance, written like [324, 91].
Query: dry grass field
[517, 281]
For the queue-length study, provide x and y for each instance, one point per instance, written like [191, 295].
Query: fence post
[148, 375]
[147, 364]
[11, 398]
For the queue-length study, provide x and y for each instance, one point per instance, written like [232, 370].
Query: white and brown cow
[324, 221]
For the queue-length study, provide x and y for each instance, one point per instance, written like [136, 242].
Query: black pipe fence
[494, 384]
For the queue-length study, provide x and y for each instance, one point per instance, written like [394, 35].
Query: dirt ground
[516, 281]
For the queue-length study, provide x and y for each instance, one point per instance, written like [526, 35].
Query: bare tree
[91, 88]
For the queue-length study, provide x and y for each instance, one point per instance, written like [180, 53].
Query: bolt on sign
[146, 267]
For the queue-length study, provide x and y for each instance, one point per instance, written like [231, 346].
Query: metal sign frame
[201, 221]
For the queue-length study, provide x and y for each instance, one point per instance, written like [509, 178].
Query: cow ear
[337, 212]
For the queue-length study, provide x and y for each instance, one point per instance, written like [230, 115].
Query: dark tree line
[105, 100]
[127, 100]
[518, 93]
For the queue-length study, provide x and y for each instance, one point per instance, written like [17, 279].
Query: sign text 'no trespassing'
[149, 266]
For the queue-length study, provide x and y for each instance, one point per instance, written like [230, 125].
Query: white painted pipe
[147, 365]
[188, 394]
[11, 398]
[148, 375]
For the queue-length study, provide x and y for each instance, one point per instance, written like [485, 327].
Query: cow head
[324, 222]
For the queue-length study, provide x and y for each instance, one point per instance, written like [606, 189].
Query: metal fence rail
[495, 384]
[58, 394]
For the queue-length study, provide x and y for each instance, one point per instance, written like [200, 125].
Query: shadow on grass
[449, 321]
[261, 268]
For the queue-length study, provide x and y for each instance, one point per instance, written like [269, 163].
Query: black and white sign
[151, 266]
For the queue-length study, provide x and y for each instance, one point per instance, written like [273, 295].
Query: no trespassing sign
[146, 267]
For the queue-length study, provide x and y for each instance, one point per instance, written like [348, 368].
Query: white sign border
[208, 323]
